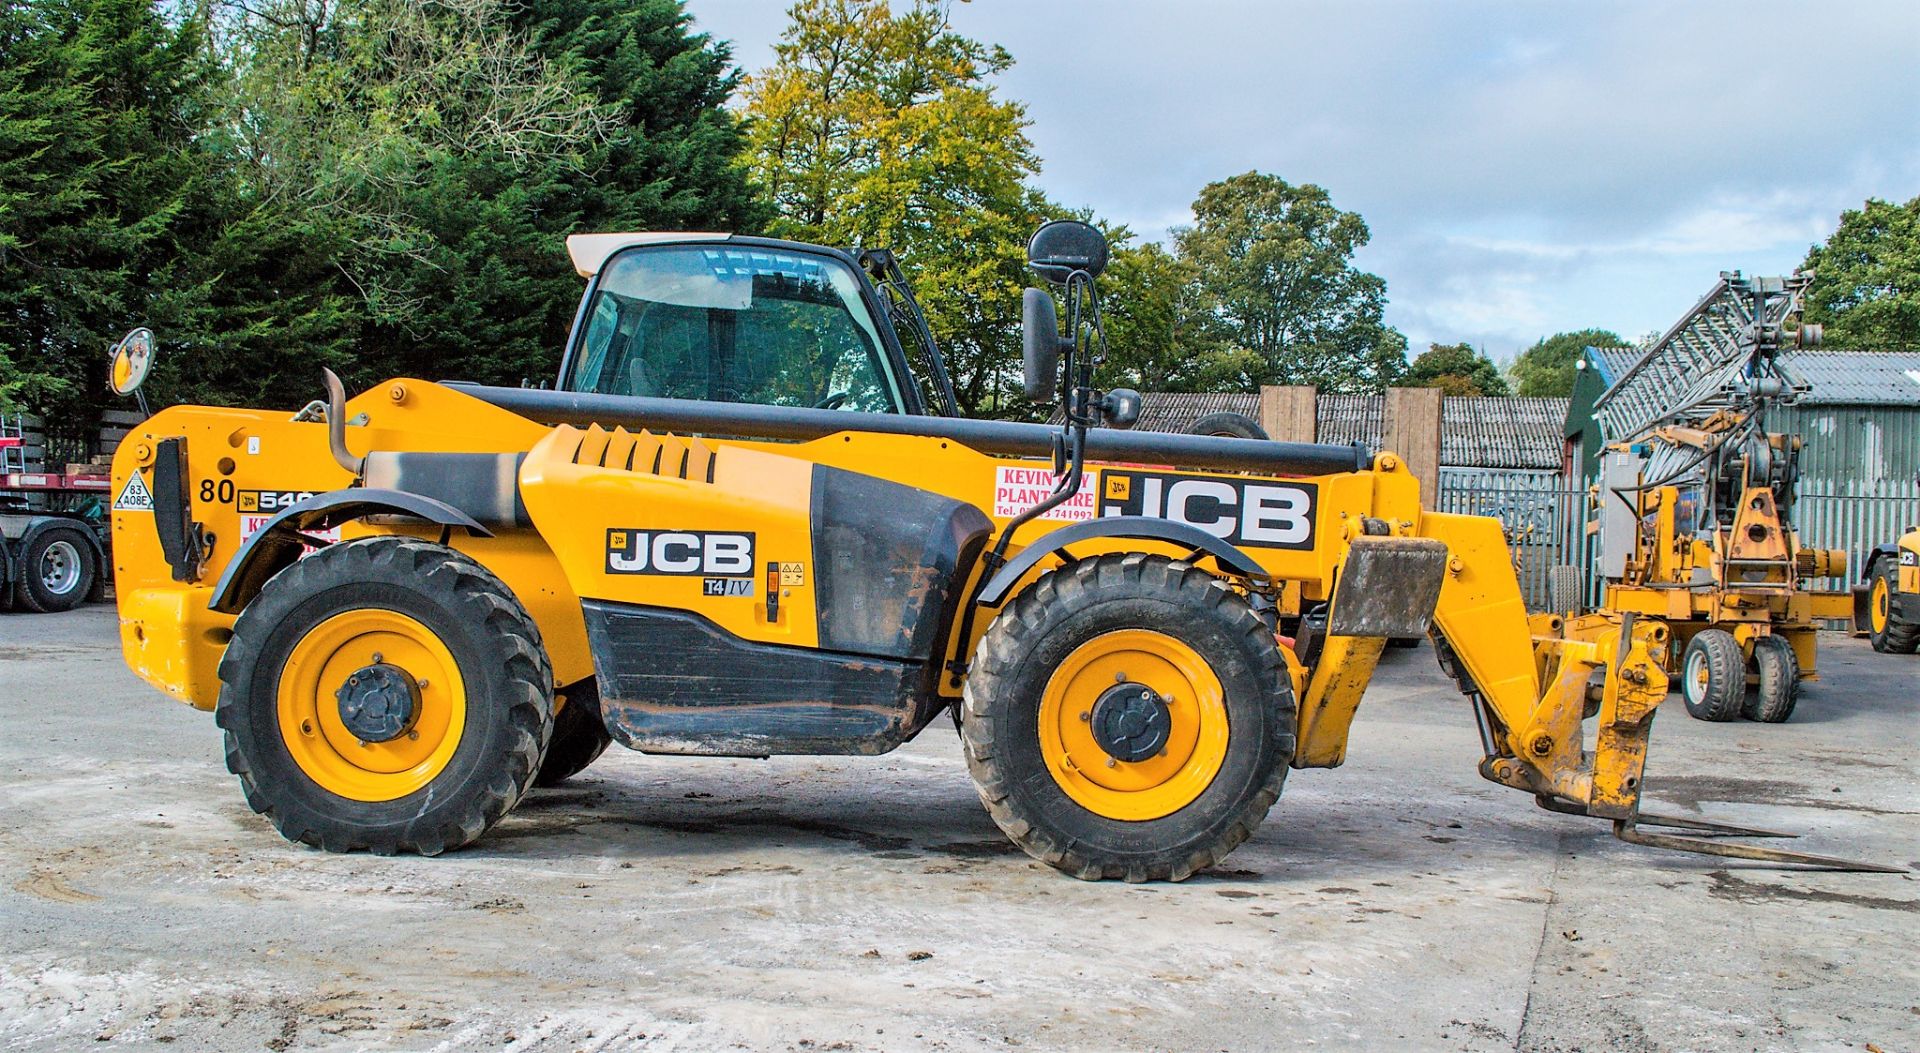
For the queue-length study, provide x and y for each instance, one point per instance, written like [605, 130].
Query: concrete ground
[869, 904]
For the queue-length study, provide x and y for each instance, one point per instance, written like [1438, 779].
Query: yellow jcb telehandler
[744, 524]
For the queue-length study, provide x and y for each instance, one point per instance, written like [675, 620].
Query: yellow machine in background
[1695, 508]
[742, 527]
[1887, 601]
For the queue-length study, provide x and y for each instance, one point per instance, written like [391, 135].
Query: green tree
[443, 150]
[1547, 368]
[882, 128]
[1456, 369]
[104, 187]
[1866, 284]
[1163, 330]
[1278, 260]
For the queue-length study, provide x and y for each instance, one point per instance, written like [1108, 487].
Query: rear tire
[1078, 640]
[1777, 672]
[579, 736]
[1713, 676]
[1891, 634]
[57, 570]
[481, 687]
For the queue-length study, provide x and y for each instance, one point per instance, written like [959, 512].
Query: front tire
[1713, 676]
[1890, 634]
[385, 694]
[1128, 716]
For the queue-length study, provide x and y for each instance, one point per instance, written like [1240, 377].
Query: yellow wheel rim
[1196, 743]
[1880, 605]
[309, 711]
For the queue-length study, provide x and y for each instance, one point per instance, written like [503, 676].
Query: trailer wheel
[57, 570]
[1713, 676]
[1777, 672]
[1890, 634]
[1228, 423]
[579, 736]
[386, 694]
[1128, 716]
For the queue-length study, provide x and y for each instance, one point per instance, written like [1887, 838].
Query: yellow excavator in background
[746, 525]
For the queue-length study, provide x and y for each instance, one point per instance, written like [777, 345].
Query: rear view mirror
[131, 360]
[1063, 246]
[1041, 344]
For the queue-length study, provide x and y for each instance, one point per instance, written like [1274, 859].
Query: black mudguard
[281, 541]
[1142, 528]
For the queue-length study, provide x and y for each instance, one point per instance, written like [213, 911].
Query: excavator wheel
[1713, 676]
[1777, 676]
[387, 694]
[579, 736]
[1890, 634]
[1128, 716]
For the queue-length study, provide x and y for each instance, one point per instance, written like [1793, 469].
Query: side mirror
[1063, 246]
[1041, 344]
[131, 361]
[1120, 407]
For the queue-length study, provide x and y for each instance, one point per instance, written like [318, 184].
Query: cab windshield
[732, 323]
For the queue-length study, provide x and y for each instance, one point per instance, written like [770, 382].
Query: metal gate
[1545, 521]
[1546, 525]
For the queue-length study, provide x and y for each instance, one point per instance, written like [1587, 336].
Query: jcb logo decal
[1251, 515]
[706, 553]
[268, 502]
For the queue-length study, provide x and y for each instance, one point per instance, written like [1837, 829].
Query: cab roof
[590, 251]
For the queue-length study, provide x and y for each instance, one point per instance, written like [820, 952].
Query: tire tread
[1069, 588]
[526, 687]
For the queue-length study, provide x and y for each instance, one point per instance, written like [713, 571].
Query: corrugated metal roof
[1858, 378]
[1839, 378]
[1476, 432]
[1177, 410]
[1485, 432]
[1612, 361]
[1346, 419]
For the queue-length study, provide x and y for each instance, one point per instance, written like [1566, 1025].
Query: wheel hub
[378, 702]
[60, 568]
[1131, 722]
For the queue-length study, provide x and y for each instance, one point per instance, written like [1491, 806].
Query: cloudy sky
[1525, 167]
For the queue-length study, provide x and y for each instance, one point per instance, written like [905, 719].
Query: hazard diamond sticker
[134, 497]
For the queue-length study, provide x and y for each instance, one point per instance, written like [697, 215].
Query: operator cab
[722, 318]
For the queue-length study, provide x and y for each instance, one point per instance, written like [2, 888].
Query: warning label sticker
[134, 497]
[1017, 489]
[251, 525]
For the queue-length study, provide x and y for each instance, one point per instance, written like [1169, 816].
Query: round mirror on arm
[131, 360]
